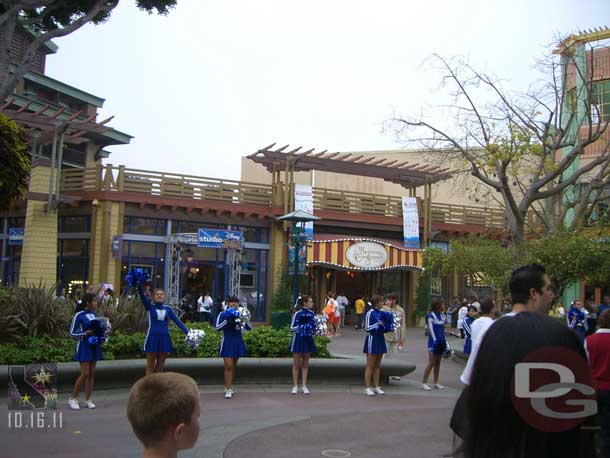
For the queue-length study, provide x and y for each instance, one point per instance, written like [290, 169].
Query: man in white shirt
[205, 303]
[462, 313]
[481, 324]
[342, 303]
[530, 290]
[475, 303]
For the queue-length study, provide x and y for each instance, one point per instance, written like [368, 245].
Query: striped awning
[362, 255]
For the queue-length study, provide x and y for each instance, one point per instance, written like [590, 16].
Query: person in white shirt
[205, 303]
[530, 290]
[475, 303]
[462, 313]
[481, 324]
[342, 304]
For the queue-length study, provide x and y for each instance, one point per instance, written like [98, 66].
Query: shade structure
[298, 216]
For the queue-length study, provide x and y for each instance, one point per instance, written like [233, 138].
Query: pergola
[408, 175]
[51, 126]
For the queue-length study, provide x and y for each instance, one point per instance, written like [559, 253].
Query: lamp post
[298, 238]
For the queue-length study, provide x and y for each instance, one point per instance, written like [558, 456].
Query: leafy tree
[14, 162]
[523, 150]
[50, 19]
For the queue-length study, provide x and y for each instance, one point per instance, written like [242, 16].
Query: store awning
[360, 254]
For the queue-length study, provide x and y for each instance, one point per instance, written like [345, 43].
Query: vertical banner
[410, 222]
[303, 200]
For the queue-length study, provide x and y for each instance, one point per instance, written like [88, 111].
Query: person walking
[395, 340]
[576, 319]
[205, 304]
[331, 313]
[360, 307]
[597, 347]
[462, 314]
[342, 304]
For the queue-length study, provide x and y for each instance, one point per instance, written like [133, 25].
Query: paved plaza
[267, 421]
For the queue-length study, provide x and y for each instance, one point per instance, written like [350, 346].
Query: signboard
[117, 245]
[367, 255]
[303, 200]
[410, 222]
[218, 238]
[15, 236]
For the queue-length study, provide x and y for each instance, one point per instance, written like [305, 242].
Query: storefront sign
[15, 236]
[410, 222]
[367, 255]
[117, 245]
[216, 238]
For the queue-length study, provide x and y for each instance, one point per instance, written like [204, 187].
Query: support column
[39, 255]
[107, 222]
[276, 260]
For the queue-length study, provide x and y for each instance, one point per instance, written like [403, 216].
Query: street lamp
[298, 238]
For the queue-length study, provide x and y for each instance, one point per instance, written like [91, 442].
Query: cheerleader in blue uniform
[302, 344]
[232, 345]
[86, 354]
[374, 347]
[472, 314]
[158, 343]
[437, 343]
[576, 319]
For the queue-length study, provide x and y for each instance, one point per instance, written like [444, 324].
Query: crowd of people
[494, 343]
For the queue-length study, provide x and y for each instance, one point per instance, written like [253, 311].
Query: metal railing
[122, 179]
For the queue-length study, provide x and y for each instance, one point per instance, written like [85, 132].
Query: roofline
[117, 137]
[64, 88]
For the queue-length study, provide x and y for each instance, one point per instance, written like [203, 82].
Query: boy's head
[164, 408]
[472, 311]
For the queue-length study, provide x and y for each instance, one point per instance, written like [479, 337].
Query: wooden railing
[122, 179]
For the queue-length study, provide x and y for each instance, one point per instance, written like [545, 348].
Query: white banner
[410, 222]
[303, 200]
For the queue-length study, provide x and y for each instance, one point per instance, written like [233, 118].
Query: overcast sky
[216, 80]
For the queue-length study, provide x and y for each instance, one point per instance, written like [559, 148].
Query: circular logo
[367, 255]
[552, 389]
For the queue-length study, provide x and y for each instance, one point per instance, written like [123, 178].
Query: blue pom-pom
[136, 277]
[232, 313]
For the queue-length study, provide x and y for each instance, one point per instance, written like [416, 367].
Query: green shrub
[41, 313]
[11, 325]
[262, 342]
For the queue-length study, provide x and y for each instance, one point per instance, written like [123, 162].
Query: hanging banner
[303, 200]
[410, 222]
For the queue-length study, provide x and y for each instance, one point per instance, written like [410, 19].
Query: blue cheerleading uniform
[437, 343]
[84, 352]
[374, 342]
[302, 341]
[468, 332]
[576, 322]
[232, 343]
[158, 339]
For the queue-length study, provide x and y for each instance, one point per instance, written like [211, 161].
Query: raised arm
[74, 326]
[145, 301]
[176, 320]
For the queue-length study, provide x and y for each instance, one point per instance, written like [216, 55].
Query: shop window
[73, 248]
[142, 250]
[73, 224]
[143, 226]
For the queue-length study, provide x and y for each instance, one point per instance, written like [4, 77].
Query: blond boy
[163, 409]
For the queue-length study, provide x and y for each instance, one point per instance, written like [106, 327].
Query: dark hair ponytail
[87, 299]
[301, 301]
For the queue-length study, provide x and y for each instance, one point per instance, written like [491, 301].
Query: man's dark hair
[523, 279]
[487, 305]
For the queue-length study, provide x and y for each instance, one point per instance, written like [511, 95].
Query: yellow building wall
[39, 255]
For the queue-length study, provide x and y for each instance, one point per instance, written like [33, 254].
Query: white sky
[216, 80]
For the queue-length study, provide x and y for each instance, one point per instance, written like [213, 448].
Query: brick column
[39, 255]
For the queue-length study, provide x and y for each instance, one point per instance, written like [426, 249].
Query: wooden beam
[308, 152]
[7, 104]
[39, 112]
[357, 158]
[280, 149]
[57, 113]
[331, 155]
[320, 154]
[378, 162]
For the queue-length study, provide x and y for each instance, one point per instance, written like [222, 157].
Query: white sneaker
[73, 403]
[305, 390]
[395, 377]
[90, 404]
[369, 392]
[295, 389]
[425, 387]
[378, 390]
[228, 394]
[438, 386]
